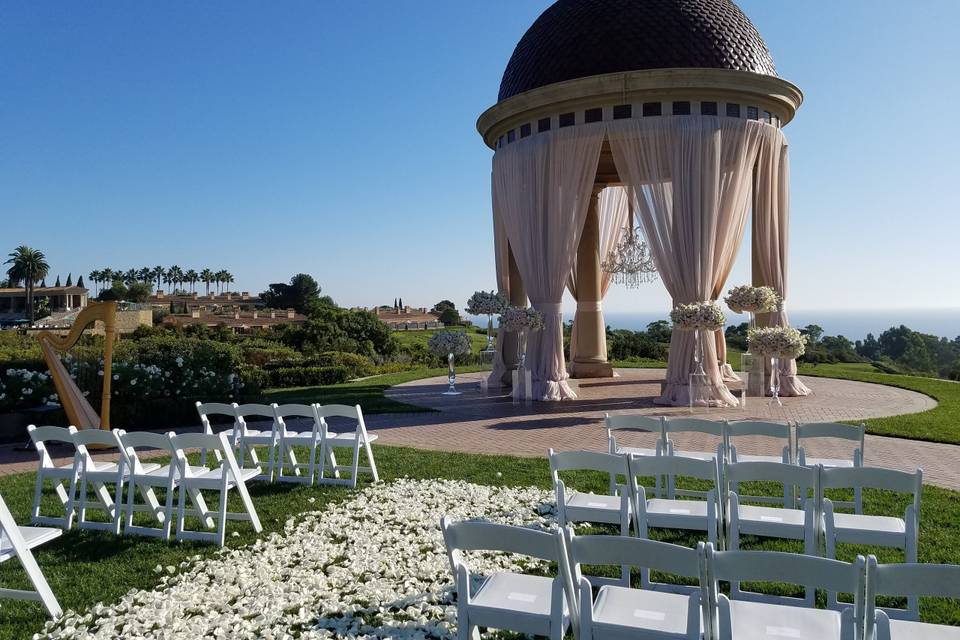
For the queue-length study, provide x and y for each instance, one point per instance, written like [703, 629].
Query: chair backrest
[51, 434]
[643, 466]
[296, 410]
[256, 410]
[778, 430]
[146, 439]
[653, 424]
[789, 475]
[217, 443]
[340, 411]
[831, 430]
[85, 437]
[612, 463]
[908, 579]
[631, 551]
[475, 535]
[207, 409]
[790, 568]
[874, 478]
[697, 425]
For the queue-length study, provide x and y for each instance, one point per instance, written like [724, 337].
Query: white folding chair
[913, 581]
[356, 439]
[771, 522]
[636, 423]
[748, 620]
[145, 479]
[576, 506]
[248, 439]
[208, 409]
[64, 478]
[670, 513]
[619, 611]
[16, 542]
[816, 430]
[227, 475]
[100, 476]
[860, 528]
[533, 605]
[311, 438]
[770, 430]
[692, 425]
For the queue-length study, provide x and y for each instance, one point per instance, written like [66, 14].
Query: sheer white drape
[542, 185]
[614, 213]
[501, 251]
[771, 222]
[691, 178]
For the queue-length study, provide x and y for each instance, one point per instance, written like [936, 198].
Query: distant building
[13, 301]
[405, 318]
[235, 317]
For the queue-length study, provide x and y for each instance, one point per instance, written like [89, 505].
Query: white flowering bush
[371, 567]
[776, 342]
[24, 388]
[443, 343]
[698, 315]
[517, 319]
[485, 303]
[746, 298]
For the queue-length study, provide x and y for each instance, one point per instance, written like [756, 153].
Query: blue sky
[338, 139]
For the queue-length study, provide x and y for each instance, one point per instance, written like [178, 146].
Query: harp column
[591, 357]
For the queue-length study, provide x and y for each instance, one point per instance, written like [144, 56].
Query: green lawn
[940, 424]
[84, 568]
[421, 336]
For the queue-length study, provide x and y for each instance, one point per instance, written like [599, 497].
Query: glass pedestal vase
[491, 347]
[700, 389]
[775, 382]
[752, 373]
[522, 378]
[451, 377]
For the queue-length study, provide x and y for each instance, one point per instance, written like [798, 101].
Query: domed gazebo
[671, 109]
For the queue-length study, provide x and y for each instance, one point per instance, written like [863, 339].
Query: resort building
[13, 301]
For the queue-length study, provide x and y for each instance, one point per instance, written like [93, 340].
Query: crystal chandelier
[630, 261]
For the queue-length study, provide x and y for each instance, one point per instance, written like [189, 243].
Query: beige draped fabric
[690, 177]
[771, 222]
[541, 188]
[501, 251]
[614, 213]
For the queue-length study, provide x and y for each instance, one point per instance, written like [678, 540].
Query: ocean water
[853, 324]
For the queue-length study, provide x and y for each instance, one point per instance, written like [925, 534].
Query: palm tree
[227, 278]
[130, 276]
[168, 278]
[192, 277]
[220, 277]
[95, 276]
[28, 266]
[206, 276]
[145, 275]
[175, 273]
[158, 273]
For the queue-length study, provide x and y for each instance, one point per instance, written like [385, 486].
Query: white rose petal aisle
[487, 303]
[449, 345]
[374, 566]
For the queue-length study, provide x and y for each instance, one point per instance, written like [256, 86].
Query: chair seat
[761, 516]
[682, 508]
[594, 501]
[103, 467]
[743, 457]
[348, 437]
[637, 451]
[750, 620]
[619, 609]
[253, 436]
[300, 436]
[516, 592]
[696, 455]
[829, 463]
[213, 477]
[33, 536]
[907, 630]
[868, 529]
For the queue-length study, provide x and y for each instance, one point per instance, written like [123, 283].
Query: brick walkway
[475, 423]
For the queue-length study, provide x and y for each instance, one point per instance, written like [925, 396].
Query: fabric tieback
[548, 307]
[590, 306]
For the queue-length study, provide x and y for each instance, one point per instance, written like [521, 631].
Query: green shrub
[307, 376]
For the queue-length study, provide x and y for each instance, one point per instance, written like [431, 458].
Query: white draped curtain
[771, 220]
[541, 187]
[691, 181]
[501, 251]
[613, 208]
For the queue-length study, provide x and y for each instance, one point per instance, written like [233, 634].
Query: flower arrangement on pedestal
[487, 303]
[753, 300]
[449, 345]
[698, 317]
[776, 343]
[521, 320]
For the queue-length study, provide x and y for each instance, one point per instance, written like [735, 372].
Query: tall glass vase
[775, 382]
[490, 346]
[522, 349]
[698, 383]
[698, 353]
[752, 366]
[451, 377]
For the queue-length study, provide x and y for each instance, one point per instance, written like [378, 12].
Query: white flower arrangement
[517, 319]
[486, 303]
[443, 343]
[698, 315]
[373, 566]
[746, 298]
[776, 342]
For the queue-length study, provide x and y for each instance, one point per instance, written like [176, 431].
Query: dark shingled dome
[581, 38]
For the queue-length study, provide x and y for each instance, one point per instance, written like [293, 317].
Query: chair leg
[37, 493]
[222, 515]
[118, 501]
[356, 464]
[372, 464]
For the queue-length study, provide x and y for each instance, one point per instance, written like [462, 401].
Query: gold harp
[79, 411]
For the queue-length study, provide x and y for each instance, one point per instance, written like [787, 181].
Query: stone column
[591, 357]
[518, 298]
